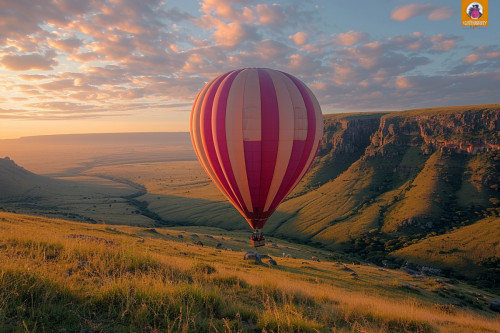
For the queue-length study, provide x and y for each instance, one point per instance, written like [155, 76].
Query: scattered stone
[141, 240]
[210, 236]
[151, 230]
[495, 305]
[353, 274]
[409, 271]
[252, 255]
[193, 235]
[199, 243]
[347, 269]
[305, 263]
[219, 246]
[431, 270]
[229, 249]
[249, 255]
[272, 262]
[183, 253]
[180, 236]
[315, 259]
[287, 255]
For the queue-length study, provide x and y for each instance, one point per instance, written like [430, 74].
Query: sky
[73, 66]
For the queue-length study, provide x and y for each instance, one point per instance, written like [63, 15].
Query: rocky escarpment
[345, 139]
[348, 134]
[470, 129]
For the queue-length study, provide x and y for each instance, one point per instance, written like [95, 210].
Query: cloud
[270, 15]
[67, 45]
[433, 12]
[350, 38]
[441, 13]
[484, 54]
[300, 38]
[234, 33]
[32, 61]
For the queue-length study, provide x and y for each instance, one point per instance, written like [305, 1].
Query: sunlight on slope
[64, 275]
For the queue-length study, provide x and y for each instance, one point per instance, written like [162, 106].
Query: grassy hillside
[63, 276]
[462, 249]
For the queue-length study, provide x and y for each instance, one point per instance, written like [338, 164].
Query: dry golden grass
[56, 274]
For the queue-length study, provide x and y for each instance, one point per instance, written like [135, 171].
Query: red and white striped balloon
[256, 132]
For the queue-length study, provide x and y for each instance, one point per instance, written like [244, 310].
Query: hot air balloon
[256, 132]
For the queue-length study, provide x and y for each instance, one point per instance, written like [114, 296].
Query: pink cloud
[443, 43]
[67, 45]
[433, 12]
[300, 38]
[350, 38]
[407, 12]
[32, 61]
[482, 53]
[441, 13]
[270, 15]
[233, 33]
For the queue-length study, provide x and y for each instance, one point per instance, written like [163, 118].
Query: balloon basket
[257, 239]
[257, 243]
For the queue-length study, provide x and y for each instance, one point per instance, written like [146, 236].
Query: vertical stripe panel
[270, 134]
[219, 114]
[234, 137]
[316, 113]
[252, 133]
[300, 121]
[286, 134]
[309, 146]
[208, 140]
[196, 135]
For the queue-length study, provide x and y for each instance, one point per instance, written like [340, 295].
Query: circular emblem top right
[474, 10]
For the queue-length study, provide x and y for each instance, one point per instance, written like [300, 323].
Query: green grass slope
[472, 250]
[60, 276]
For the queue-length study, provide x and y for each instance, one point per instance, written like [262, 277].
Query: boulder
[272, 262]
[180, 236]
[495, 305]
[198, 243]
[252, 255]
[219, 246]
[347, 269]
[193, 235]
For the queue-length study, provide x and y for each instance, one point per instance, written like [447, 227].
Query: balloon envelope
[256, 132]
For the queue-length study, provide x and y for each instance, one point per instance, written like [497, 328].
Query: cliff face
[349, 134]
[384, 181]
[469, 130]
